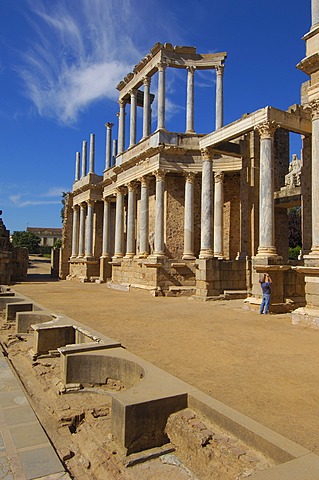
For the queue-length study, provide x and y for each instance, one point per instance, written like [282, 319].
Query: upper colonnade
[158, 60]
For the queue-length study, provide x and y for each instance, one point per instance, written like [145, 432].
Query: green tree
[26, 239]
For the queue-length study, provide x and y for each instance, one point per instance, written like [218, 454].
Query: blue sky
[60, 62]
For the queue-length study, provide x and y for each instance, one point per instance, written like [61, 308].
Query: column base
[267, 252]
[129, 255]
[188, 256]
[206, 253]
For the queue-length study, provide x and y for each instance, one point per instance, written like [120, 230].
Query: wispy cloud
[23, 199]
[78, 54]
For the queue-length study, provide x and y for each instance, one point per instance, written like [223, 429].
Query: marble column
[114, 152]
[159, 214]
[82, 229]
[106, 229]
[108, 144]
[206, 250]
[121, 132]
[315, 179]
[77, 166]
[119, 223]
[161, 96]
[92, 153]
[131, 220]
[188, 253]
[190, 100]
[146, 107]
[84, 158]
[315, 12]
[75, 232]
[218, 214]
[266, 246]
[89, 229]
[144, 217]
[219, 97]
[133, 112]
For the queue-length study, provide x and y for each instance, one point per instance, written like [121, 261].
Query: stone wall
[66, 237]
[232, 228]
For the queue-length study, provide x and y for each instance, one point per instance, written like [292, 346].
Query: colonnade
[161, 105]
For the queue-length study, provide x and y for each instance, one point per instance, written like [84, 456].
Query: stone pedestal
[105, 268]
[208, 285]
[309, 315]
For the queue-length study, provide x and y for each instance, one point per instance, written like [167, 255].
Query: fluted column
[315, 179]
[266, 246]
[161, 96]
[106, 229]
[315, 12]
[206, 250]
[119, 223]
[188, 253]
[82, 229]
[108, 144]
[121, 132]
[144, 217]
[89, 229]
[75, 232]
[219, 97]
[190, 100]
[92, 153]
[131, 219]
[84, 158]
[218, 214]
[159, 214]
[146, 107]
[77, 166]
[133, 94]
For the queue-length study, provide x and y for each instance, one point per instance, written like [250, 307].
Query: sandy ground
[260, 365]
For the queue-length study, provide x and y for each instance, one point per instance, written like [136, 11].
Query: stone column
[146, 107]
[266, 246]
[218, 214]
[131, 219]
[315, 179]
[161, 96]
[188, 253]
[190, 100]
[108, 144]
[133, 94]
[106, 229]
[144, 217]
[77, 166]
[89, 230]
[114, 152]
[219, 97]
[159, 214]
[315, 12]
[84, 158]
[82, 230]
[206, 250]
[119, 223]
[121, 132]
[75, 232]
[92, 153]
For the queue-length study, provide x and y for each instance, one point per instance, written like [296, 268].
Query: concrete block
[13, 308]
[24, 320]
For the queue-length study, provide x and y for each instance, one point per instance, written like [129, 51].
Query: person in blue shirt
[265, 283]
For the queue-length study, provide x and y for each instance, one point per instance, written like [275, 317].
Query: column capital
[146, 81]
[120, 190]
[133, 92]
[207, 153]
[122, 103]
[190, 177]
[220, 69]
[161, 66]
[191, 69]
[266, 129]
[159, 174]
[219, 177]
[109, 125]
[132, 186]
[314, 109]
[90, 201]
[145, 181]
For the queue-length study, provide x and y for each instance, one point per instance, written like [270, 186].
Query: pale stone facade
[189, 213]
[13, 260]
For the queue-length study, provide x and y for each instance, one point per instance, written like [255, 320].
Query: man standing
[265, 283]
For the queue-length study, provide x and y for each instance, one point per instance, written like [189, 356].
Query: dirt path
[260, 365]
